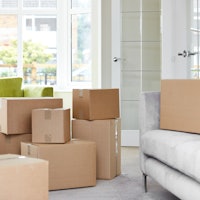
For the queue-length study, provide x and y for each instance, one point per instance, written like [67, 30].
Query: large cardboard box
[23, 178]
[11, 144]
[71, 165]
[51, 125]
[15, 113]
[92, 104]
[179, 105]
[107, 135]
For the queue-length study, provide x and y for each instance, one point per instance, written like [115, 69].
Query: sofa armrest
[38, 91]
[149, 111]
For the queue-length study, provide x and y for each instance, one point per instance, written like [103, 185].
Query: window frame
[63, 13]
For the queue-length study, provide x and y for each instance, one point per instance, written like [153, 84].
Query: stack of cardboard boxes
[41, 128]
[27, 178]
[15, 120]
[72, 163]
[96, 118]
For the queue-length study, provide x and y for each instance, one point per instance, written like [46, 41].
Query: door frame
[128, 137]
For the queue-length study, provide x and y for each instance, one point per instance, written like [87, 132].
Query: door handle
[116, 59]
[187, 53]
[184, 54]
[192, 53]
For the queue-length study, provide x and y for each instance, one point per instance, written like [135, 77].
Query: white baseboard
[130, 138]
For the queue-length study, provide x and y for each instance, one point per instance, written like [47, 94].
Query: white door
[180, 39]
[136, 58]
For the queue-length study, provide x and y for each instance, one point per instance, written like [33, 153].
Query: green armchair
[12, 87]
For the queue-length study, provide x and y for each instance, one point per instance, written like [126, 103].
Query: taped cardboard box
[50, 125]
[179, 108]
[107, 135]
[71, 165]
[94, 104]
[15, 113]
[23, 178]
[11, 144]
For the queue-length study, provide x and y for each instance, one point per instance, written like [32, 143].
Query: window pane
[81, 45]
[8, 45]
[80, 4]
[8, 3]
[48, 3]
[39, 50]
[39, 3]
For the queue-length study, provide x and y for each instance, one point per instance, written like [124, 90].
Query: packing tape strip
[29, 149]
[116, 136]
[116, 144]
[47, 114]
[80, 94]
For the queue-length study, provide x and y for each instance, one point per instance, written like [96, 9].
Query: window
[47, 42]
[81, 43]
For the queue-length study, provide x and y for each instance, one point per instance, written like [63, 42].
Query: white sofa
[171, 158]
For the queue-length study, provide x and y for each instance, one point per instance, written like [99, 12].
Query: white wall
[66, 96]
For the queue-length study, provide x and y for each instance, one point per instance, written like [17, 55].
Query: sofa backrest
[11, 87]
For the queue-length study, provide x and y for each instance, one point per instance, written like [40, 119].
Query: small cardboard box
[92, 104]
[11, 144]
[50, 125]
[15, 113]
[71, 165]
[23, 178]
[107, 135]
[179, 108]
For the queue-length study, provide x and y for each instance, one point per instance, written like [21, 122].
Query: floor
[127, 186]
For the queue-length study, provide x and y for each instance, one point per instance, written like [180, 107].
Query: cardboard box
[11, 144]
[92, 104]
[71, 165]
[179, 108]
[107, 135]
[50, 125]
[15, 113]
[23, 178]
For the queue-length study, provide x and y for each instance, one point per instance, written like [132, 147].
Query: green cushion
[38, 91]
[11, 87]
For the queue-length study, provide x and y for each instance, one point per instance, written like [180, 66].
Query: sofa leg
[145, 182]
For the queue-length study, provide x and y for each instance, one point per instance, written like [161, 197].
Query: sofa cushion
[38, 91]
[179, 150]
[11, 87]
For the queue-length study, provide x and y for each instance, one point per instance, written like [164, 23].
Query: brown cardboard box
[12, 143]
[71, 165]
[92, 104]
[50, 125]
[179, 108]
[107, 135]
[15, 113]
[23, 178]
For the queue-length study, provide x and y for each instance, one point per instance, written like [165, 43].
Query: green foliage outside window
[32, 53]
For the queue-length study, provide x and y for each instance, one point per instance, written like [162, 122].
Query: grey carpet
[127, 186]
